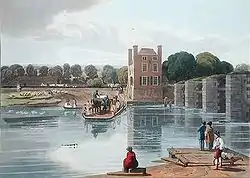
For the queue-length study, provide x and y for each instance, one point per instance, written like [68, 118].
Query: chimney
[130, 59]
[159, 51]
[135, 47]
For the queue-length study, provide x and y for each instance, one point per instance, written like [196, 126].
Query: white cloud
[36, 13]
[87, 38]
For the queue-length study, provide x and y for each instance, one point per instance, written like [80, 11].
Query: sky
[100, 32]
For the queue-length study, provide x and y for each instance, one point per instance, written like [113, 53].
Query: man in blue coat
[201, 131]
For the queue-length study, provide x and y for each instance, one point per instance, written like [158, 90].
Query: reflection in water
[33, 149]
[145, 129]
[237, 137]
[145, 133]
[97, 128]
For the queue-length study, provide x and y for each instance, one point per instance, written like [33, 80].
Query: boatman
[95, 94]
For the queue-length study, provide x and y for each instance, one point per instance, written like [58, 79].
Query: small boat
[72, 145]
[72, 108]
[224, 121]
[104, 117]
[9, 118]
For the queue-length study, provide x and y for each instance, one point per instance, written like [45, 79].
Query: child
[218, 146]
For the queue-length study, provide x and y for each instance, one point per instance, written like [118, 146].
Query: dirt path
[200, 166]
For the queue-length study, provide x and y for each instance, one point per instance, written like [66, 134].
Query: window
[155, 67]
[144, 80]
[131, 81]
[142, 121]
[144, 67]
[155, 80]
[154, 121]
[154, 58]
[144, 58]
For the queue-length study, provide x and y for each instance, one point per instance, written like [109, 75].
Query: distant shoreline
[82, 95]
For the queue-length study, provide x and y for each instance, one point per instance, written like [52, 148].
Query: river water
[33, 149]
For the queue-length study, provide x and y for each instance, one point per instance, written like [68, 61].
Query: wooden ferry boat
[106, 116]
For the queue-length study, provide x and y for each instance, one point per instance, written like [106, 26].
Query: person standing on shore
[201, 131]
[218, 147]
[209, 135]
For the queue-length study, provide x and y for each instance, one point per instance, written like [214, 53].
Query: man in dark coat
[201, 131]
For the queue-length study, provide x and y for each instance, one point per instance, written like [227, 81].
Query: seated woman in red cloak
[130, 162]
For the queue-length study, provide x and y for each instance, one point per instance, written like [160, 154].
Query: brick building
[144, 74]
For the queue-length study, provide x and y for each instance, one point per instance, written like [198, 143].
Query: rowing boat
[72, 108]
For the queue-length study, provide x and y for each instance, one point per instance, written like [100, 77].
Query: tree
[76, 70]
[30, 70]
[17, 70]
[96, 82]
[57, 72]
[164, 71]
[43, 71]
[181, 66]
[66, 71]
[207, 64]
[4, 68]
[242, 68]
[91, 71]
[109, 74]
[226, 67]
[122, 75]
[6, 74]
[35, 72]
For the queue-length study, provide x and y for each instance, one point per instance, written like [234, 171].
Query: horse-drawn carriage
[101, 104]
[102, 107]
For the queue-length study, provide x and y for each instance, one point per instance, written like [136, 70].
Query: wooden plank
[178, 158]
[172, 152]
[139, 170]
[172, 160]
[127, 174]
[183, 160]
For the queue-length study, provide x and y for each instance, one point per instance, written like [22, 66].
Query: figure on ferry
[130, 162]
[96, 101]
[67, 104]
[106, 103]
[95, 95]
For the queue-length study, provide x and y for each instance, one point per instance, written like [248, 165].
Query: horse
[97, 104]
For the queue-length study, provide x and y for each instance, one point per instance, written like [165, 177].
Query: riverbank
[42, 97]
[201, 167]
